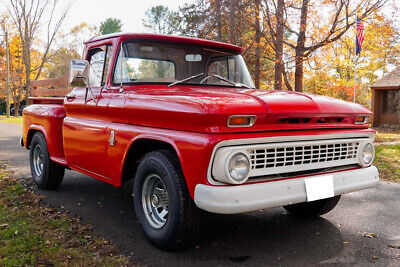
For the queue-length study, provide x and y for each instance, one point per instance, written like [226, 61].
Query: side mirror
[79, 73]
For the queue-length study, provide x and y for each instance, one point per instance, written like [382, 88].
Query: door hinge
[112, 138]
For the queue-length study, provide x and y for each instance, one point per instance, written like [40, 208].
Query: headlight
[238, 168]
[367, 154]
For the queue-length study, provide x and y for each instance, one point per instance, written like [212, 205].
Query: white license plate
[319, 187]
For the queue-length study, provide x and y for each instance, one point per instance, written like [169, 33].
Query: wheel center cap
[155, 201]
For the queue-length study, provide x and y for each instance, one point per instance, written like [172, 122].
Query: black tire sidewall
[39, 140]
[313, 208]
[153, 164]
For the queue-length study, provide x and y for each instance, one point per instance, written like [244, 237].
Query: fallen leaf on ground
[370, 235]
[375, 257]
[4, 225]
[391, 246]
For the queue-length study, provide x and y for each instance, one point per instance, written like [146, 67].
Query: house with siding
[386, 99]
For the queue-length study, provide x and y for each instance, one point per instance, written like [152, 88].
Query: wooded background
[299, 45]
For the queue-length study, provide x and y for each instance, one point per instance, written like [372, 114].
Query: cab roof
[168, 38]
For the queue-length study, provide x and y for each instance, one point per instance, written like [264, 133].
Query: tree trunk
[27, 60]
[279, 46]
[257, 73]
[286, 80]
[232, 14]
[301, 40]
[16, 109]
[218, 18]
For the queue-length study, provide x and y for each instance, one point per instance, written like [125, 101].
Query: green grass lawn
[32, 234]
[387, 134]
[387, 159]
[11, 119]
[387, 156]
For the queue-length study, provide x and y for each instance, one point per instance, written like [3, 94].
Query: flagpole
[355, 60]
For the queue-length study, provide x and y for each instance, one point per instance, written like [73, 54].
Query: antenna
[121, 89]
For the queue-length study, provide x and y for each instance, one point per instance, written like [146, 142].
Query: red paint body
[191, 119]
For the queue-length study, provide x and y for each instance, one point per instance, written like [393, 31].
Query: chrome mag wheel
[38, 160]
[155, 201]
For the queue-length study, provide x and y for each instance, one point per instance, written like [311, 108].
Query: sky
[130, 12]
[93, 12]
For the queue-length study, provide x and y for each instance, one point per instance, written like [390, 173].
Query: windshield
[144, 62]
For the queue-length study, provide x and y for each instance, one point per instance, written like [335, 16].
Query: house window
[390, 101]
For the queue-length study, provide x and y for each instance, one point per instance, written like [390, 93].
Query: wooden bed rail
[50, 91]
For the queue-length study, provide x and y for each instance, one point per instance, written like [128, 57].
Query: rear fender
[48, 120]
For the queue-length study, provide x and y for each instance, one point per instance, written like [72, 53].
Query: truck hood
[207, 109]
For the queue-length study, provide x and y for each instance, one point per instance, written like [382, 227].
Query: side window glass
[96, 59]
[107, 63]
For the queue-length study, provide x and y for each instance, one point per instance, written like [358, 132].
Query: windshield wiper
[186, 79]
[225, 80]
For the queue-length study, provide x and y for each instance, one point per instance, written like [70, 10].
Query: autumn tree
[68, 46]
[75, 38]
[233, 22]
[281, 38]
[317, 24]
[58, 64]
[331, 72]
[27, 17]
[17, 69]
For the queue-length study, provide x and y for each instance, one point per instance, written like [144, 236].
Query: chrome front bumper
[250, 197]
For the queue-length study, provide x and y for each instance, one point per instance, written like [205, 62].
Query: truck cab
[182, 118]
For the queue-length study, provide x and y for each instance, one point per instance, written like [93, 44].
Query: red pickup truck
[182, 118]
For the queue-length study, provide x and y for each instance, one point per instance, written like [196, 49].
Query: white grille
[292, 157]
[299, 155]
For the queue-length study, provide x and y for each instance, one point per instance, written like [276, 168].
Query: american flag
[359, 36]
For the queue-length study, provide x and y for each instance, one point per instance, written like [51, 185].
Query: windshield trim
[186, 84]
[230, 52]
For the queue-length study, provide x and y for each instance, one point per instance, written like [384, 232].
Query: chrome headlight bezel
[228, 174]
[363, 155]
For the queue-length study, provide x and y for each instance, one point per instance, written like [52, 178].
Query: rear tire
[169, 218]
[46, 174]
[313, 208]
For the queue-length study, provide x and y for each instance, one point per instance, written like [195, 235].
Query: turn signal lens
[362, 119]
[241, 121]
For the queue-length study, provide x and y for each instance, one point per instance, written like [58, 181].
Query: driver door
[85, 126]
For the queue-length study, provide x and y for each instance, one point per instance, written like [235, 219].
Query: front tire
[46, 174]
[164, 208]
[313, 208]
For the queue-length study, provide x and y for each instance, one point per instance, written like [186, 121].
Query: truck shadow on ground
[257, 238]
